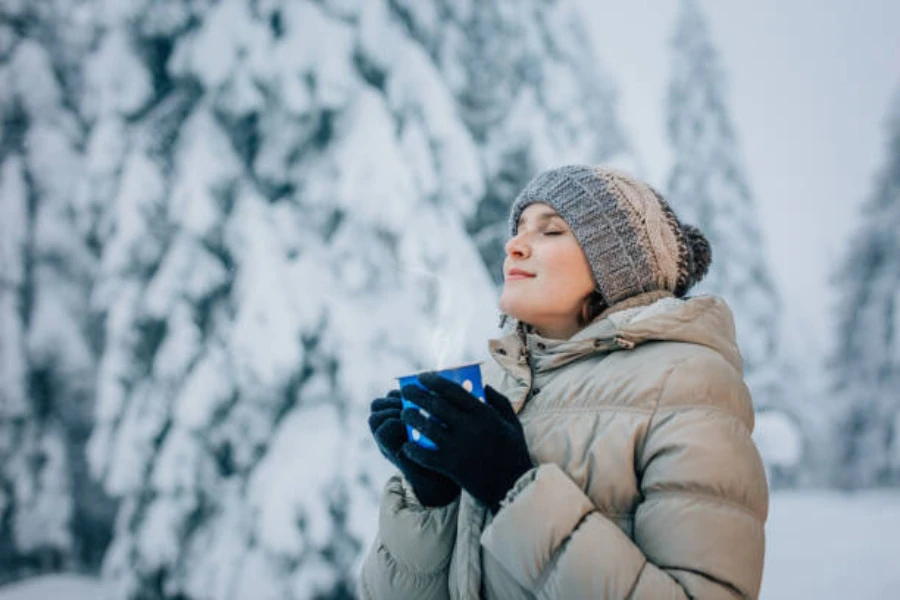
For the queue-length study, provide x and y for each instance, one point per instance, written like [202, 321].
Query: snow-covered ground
[833, 545]
[820, 545]
[53, 587]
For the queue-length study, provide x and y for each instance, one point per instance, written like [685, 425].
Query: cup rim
[453, 368]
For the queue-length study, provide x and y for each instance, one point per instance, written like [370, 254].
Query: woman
[614, 457]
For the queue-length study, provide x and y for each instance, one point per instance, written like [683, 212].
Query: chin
[508, 305]
[514, 309]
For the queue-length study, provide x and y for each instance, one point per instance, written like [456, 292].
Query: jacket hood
[706, 320]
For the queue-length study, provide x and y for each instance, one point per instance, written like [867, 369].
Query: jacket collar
[655, 316]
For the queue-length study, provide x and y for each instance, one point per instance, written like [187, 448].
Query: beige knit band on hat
[633, 241]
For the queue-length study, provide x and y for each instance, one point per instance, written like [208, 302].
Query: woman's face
[546, 275]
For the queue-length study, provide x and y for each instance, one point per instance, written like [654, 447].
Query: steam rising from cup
[454, 312]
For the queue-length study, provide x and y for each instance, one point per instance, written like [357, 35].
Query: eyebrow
[542, 217]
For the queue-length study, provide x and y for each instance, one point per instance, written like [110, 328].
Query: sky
[809, 85]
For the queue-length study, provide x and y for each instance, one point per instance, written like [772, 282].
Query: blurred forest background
[226, 225]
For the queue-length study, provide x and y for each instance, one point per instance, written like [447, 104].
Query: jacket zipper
[526, 358]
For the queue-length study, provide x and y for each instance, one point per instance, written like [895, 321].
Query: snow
[416, 91]
[778, 438]
[134, 443]
[179, 465]
[864, 365]
[267, 320]
[378, 36]
[118, 81]
[31, 76]
[291, 505]
[823, 545]
[314, 46]
[14, 397]
[51, 587]
[13, 228]
[161, 530]
[187, 268]
[206, 169]
[54, 165]
[14, 221]
[56, 336]
[211, 53]
[383, 177]
[831, 545]
[43, 503]
[141, 195]
[206, 390]
[894, 451]
[105, 151]
[462, 320]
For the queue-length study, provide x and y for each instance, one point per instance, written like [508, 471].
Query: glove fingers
[391, 401]
[414, 472]
[380, 416]
[500, 403]
[430, 428]
[391, 435]
[431, 488]
[423, 457]
[449, 390]
[446, 411]
[436, 405]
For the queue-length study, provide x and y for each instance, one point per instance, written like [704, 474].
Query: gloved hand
[479, 446]
[431, 488]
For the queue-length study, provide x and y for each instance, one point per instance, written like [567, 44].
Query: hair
[593, 307]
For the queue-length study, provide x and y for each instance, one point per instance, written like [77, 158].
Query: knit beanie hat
[632, 240]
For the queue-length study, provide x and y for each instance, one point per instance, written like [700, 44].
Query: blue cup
[467, 376]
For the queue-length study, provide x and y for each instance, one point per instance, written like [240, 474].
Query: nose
[517, 246]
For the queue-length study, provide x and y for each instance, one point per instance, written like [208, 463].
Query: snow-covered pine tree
[285, 186]
[279, 192]
[865, 363]
[51, 515]
[529, 88]
[707, 187]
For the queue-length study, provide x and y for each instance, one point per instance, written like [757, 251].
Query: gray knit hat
[631, 238]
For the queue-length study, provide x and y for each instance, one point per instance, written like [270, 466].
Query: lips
[518, 274]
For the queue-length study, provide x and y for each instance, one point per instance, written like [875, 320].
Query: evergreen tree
[532, 92]
[51, 515]
[281, 191]
[865, 363]
[707, 188]
[268, 202]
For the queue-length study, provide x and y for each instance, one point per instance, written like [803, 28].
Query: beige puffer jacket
[647, 484]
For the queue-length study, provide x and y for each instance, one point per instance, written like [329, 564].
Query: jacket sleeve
[698, 531]
[410, 557]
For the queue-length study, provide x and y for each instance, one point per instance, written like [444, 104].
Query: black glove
[479, 446]
[432, 489]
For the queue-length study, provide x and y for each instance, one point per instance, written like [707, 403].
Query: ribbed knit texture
[632, 239]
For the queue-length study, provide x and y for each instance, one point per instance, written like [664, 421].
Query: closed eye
[554, 232]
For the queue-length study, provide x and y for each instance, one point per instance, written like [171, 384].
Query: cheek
[570, 271]
[565, 282]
